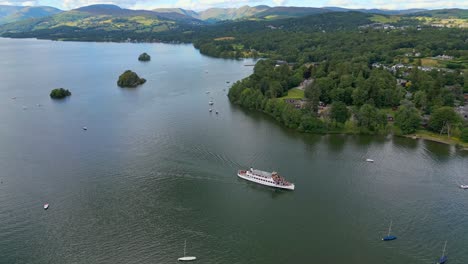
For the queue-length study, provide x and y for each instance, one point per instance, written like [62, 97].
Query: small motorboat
[13, 98]
[464, 186]
[85, 128]
[186, 258]
[216, 112]
[207, 92]
[228, 82]
[211, 110]
[369, 160]
[210, 103]
[46, 206]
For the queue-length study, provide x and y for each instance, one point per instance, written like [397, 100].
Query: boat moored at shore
[271, 179]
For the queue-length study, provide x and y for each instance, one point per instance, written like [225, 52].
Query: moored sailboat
[186, 258]
[389, 237]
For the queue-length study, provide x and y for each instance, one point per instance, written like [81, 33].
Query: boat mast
[390, 228]
[445, 246]
[185, 245]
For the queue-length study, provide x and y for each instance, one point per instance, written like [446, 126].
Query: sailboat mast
[390, 228]
[185, 245]
[445, 246]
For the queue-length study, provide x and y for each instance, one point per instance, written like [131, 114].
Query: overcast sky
[203, 4]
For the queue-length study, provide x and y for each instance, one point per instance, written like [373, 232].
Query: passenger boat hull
[266, 183]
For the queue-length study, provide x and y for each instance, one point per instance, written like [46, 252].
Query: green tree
[407, 118]
[312, 124]
[339, 112]
[464, 135]
[313, 93]
[370, 119]
[443, 120]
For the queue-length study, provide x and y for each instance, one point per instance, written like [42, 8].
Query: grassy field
[430, 62]
[447, 22]
[294, 93]
[385, 19]
[224, 38]
[424, 134]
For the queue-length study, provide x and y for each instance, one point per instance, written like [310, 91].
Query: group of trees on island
[130, 79]
[126, 79]
[144, 57]
[59, 93]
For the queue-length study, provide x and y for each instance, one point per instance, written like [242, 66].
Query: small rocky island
[130, 79]
[59, 93]
[144, 57]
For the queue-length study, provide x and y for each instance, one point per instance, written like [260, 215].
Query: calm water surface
[156, 168]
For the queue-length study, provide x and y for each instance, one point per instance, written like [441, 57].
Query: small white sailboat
[186, 258]
[46, 206]
[369, 160]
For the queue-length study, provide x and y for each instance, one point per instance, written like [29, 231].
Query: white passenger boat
[369, 160]
[464, 186]
[271, 179]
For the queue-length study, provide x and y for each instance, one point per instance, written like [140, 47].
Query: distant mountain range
[10, 14]
[266, 12]
[103, 18]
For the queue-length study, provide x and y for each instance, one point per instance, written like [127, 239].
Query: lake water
[155, 168]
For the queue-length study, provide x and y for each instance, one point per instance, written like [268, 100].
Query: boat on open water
[271, 179]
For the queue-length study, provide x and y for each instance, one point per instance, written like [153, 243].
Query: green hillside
[9, 14]
[91, 20]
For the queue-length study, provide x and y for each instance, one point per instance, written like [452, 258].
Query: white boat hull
[265, 182]
[187, 258]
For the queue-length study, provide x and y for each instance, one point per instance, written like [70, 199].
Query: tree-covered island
[59, 93]
[144, 57]
[130, 79]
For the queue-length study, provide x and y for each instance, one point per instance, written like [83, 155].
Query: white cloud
[280, 2]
